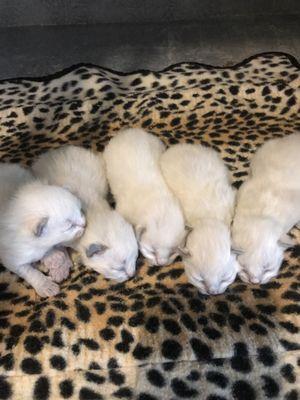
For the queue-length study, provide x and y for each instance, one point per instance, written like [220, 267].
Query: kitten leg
[43, 285]
[58, 263]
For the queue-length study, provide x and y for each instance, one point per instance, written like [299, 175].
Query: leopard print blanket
[153, 337]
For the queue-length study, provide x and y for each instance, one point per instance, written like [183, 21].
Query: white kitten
[268, 206]
[142, 196]
[34, 218]
[108, 245]
[199, 179]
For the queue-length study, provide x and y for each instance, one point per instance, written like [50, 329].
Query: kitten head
[209, 263]
[108, 245]
[260, 251]
[161, 233]
[46, 215]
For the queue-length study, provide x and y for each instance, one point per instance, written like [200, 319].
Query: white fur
[24, 204]
[199, 179]
[142, 196]
[80, 170]
[83, 172]
[268, 206]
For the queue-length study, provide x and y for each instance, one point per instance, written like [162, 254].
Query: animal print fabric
[153, 337]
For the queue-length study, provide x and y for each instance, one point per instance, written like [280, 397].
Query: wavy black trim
[59, 74]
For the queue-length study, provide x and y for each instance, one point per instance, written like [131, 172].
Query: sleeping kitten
[268, 206]
[108, 245]
[142, 196]
[199, 179]
[34, 218]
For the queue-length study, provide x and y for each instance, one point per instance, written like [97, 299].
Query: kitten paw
[47, 288]
[59, 264]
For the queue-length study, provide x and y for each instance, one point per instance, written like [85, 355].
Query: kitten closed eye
[224, 280]
[41, 227]
[70, 225]
[96, 249]
[149, 251]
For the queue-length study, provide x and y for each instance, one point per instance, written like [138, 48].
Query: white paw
[46, 287]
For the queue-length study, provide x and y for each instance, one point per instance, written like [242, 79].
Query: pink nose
[160, 261]
[254, 280]
[213, 291]
[130, 274]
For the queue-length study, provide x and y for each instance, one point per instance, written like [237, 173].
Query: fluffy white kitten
[108, 245]
[268, 206]
[34, 218]
[142, 196]
[199, 179]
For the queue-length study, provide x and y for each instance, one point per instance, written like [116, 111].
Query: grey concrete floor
[34, 51]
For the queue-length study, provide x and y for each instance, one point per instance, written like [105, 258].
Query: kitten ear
[236, 251]
[139, 231]
[286, 241]
[188, 229]
[95, 248]
[183, 252]
[40, 228]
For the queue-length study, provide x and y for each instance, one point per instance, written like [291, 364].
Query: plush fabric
[153, 337]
